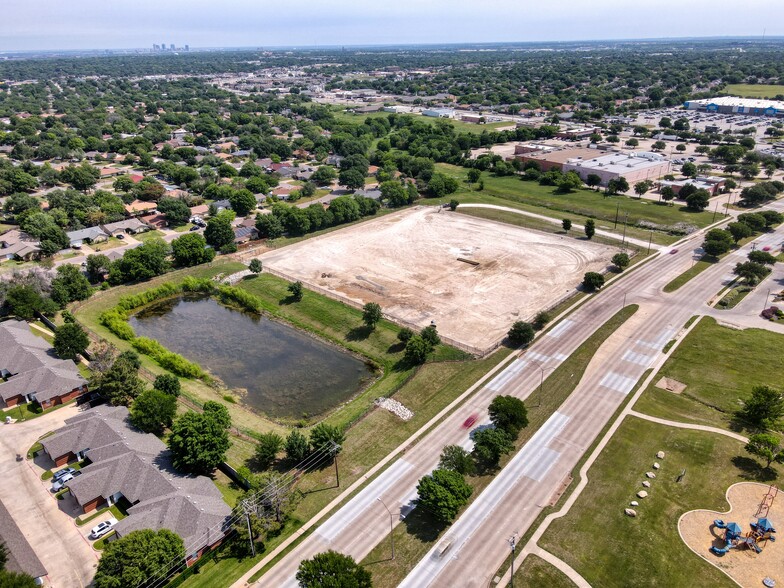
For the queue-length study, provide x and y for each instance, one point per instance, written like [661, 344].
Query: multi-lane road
[478, 540]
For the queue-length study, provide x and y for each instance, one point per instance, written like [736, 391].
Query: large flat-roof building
[735, 105]
[557, 159]
[635, 167]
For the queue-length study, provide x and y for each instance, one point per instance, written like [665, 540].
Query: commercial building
[734, 105]
[438, 112]
[712, 184]
[635, 167]
[557, 159]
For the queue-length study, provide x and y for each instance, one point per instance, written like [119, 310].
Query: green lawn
[719, 366]
[696, 269]
[534, 571]
[110, 243]
[146, 236]
[753, 90]
[459, 125]
[183, 228]
[610, 549]
[419, 532]
[30, 410]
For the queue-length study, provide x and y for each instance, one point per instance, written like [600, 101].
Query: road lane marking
[560, 328]
[618, 382]
[636, 358]
[505, 376]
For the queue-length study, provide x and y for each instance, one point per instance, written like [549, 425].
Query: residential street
[55, 538]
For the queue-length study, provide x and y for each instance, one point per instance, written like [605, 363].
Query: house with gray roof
[124, 463]
[129, 225]
[21, 557]
[31, 370]
[90, 234]
[16, 244]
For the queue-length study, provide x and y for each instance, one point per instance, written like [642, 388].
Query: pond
[286, 372]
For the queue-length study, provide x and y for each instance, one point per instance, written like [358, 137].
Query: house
[130, 225]
[16, 244]
[125, 464]
[157, 221]
[110, 172]
[90, 235]
[222, 205]
[334, 159]
[373, 193]
[283, 191]
[178, 134]
[199, 210]
[21, 557]
[244, 234]
[140, 206]
[31, 370]
[136, 178]
[286, 171]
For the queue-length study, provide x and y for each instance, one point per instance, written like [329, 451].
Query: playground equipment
[761, 532]
[767, 502]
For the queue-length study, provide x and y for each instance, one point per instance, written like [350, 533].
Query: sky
[120, 24]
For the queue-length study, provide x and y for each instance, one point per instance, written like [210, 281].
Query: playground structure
[761, 532]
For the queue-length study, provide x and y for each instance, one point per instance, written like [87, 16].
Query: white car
[101, 529]
[60, 482]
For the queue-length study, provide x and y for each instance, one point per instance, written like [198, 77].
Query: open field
[459, 125]
[612, 550]
[408, 263]
[753, 90]
[534, 571]
[719, 366]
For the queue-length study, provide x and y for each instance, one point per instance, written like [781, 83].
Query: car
[469, 422]
[63, 472]
[194, 228]
[673, 251]
[103, 528]
[61, 482]
[121, 237]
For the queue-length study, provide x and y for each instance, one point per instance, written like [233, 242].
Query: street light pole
[391, 527]
[512, 541]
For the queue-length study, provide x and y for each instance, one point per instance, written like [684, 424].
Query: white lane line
[636, 358]
[505, 376]
[560, 328]
[618, 382]
[536, 356]
[337, 524]
[534, 460]
[560, 356]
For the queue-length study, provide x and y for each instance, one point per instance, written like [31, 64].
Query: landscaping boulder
[634, 503]
[642, 494]
[646, 484]
[656, 466]
[650, 475]
[630, 512]
[660, 455]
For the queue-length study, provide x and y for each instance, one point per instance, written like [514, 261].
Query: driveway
[54, 536]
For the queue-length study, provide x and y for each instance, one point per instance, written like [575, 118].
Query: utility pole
[617, 210]
[715, 212]
[623, 241]
[649, 243]
[335, 449]
[391, 527]
[512, 541]
[247, 509]
[766, 300]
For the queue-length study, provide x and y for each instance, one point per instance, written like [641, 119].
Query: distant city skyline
[133, 24]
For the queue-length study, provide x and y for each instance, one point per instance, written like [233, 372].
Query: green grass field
[696, 269]
[753, 90]
[419, 532]
[534, 571]
[612, 550]
[459, 125]
[719, 366]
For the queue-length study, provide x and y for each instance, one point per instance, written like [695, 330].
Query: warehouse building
[734, 105]
[557, 159]
[635, 167]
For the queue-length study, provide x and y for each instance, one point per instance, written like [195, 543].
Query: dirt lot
[408, 263]
[742, 565]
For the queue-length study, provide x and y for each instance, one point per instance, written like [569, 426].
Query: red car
[673, 251]
[469, 422]
[766, 248]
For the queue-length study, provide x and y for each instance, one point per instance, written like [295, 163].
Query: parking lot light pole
[512, 541]
[391, 527]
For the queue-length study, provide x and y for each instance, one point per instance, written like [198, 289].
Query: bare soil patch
[408, 263]
[671, 385]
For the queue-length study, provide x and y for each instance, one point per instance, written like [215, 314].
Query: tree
[242, 202]
[508, 414]
[689, 169]
[698, 201]
[16, 580]
[153, 411]
[176, 211]
[593, 281]
[751, 272]
[590, 228]
[474, 175]
[324, 437]
[619, 185]
[404, 334]
[269, 226]
[120, 384]
[772, 218]
[755, 220]
[97, 267]
[352, 178]
[371, 314]
[267, 449]
[521, 333]
[191, 249]
[417, 350]
[766, 446]
[168, 384]
[324, 175]
[566, 224]
[659, 145]
[641, 188]
[394, 193]
[456, 459]
[632, 142]
[739, 231]
[430, 335]
[297, 447]
[593, 180]
[219, 231]
[82, 177]
[141, 263]
[443, 493]
[70, 340]
[764, 408]
[680, 147]
[621, 260]
[140, 555]
[762, 257]
[332, 570]
[490, 444]
[198, 442]
[441, 185]
[668, 194]
[255, 265]
[453, 204]
[540, 320]
[70, 284]
[23, 301]
[296, 290]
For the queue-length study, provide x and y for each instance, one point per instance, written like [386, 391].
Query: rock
[634, 503]
[630, 512]
[656, 466]
[646, 484]
[394, 407]
[660, 455]
[642, 494]
[650, 475]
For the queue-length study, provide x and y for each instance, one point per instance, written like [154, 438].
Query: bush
[404, 334]
[521, 333]
[169, 360]
[593, 281]
[621, 260]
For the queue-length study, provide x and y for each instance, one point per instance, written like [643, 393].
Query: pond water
[286, 373]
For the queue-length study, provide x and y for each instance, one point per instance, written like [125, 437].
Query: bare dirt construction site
[473, 277]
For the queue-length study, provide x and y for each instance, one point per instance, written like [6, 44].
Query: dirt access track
[410, 263]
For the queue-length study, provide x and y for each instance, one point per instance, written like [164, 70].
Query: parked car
[121, 237]
[103, 528]
[60, 483]
[194, 228]
[62, 473]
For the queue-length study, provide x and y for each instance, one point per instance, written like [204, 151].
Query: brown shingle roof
[21, 557]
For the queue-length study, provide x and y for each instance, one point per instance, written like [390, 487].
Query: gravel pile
[394, 407]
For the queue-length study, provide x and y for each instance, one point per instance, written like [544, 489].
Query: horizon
[242, 24]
